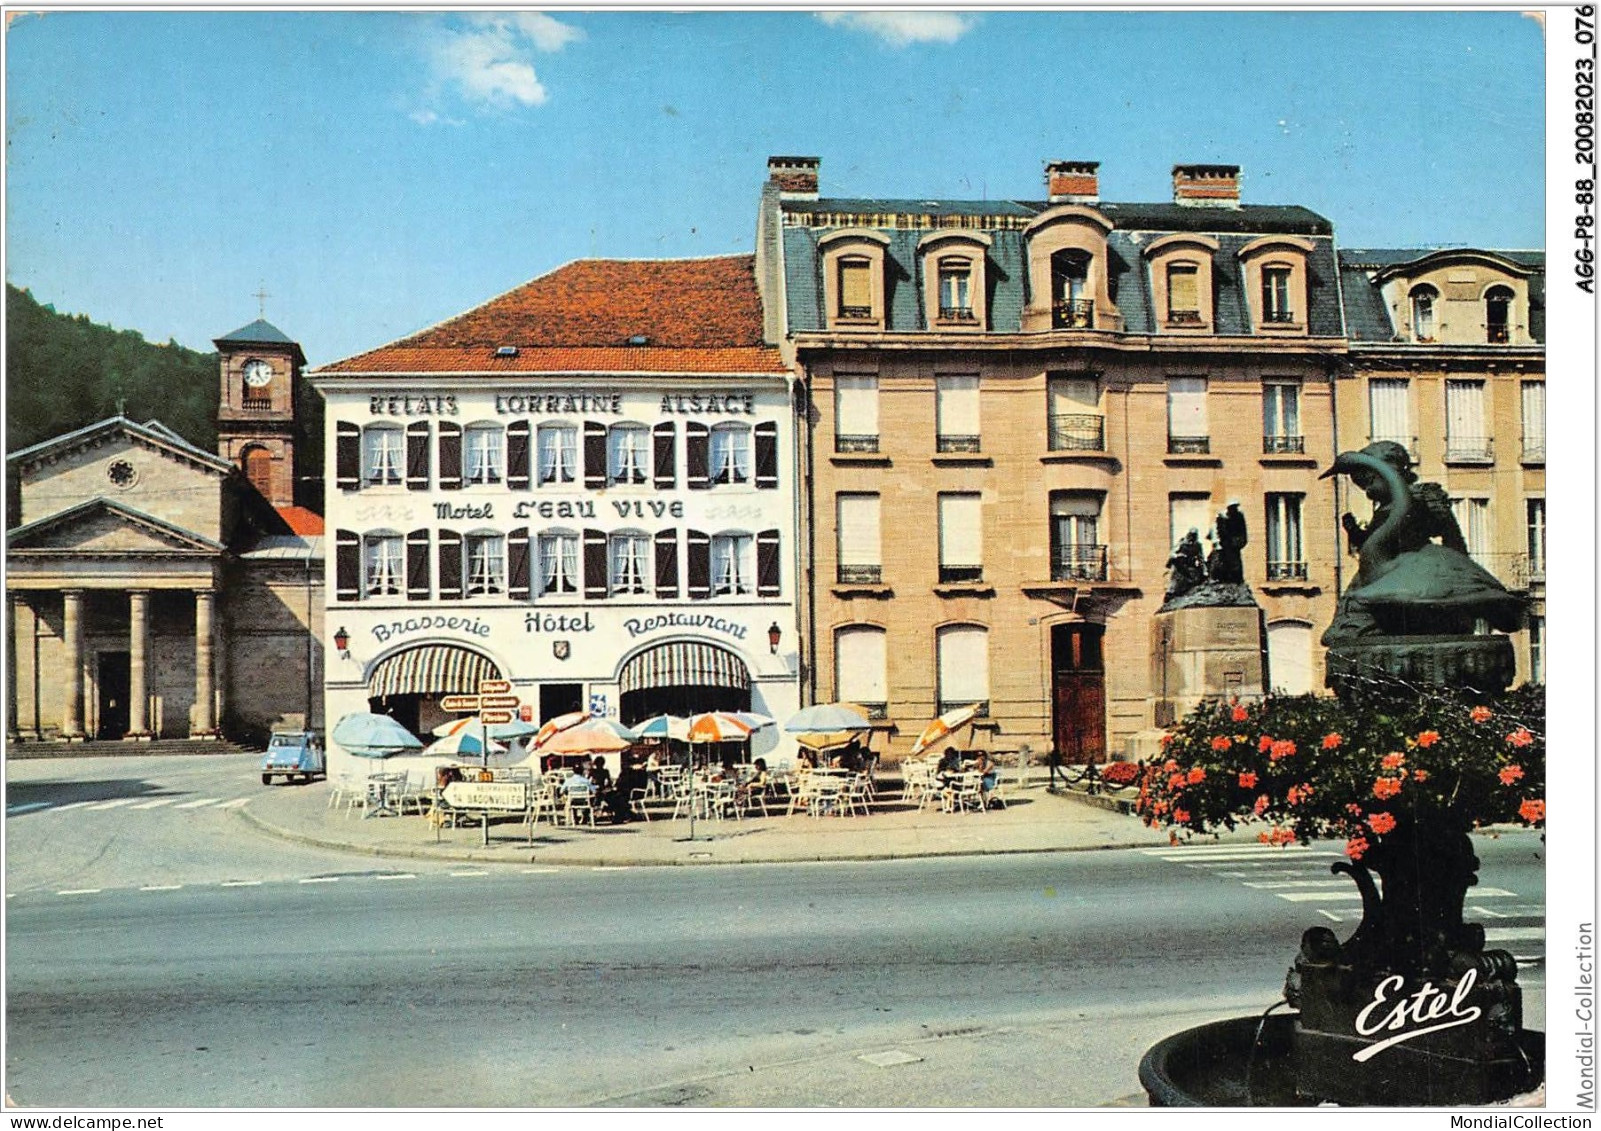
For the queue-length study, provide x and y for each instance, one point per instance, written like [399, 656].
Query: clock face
[257, 373]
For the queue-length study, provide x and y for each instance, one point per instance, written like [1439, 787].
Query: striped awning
[684, 665]
[431, 669]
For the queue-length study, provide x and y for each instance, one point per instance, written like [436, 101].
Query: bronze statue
[1226, 566]
[1189, 571]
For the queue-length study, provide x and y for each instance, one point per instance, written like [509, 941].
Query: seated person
[950, 764]
[805, 760]
[578, 780]
[757, 785]
[600, 775]
[633, 776]
[988, 773]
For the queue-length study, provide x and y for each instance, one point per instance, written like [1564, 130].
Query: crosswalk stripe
[1507, 934]
[241, 883]
[1272, 884]
[1309, 896]
[161, 887]
[321, 880]
[71, 805]
[156, 804]
[198, 803]
[398, 876]
[27, 808]
[79, 891]
[1213, 861]
[1195, 850]
[235, 803]
[112, 804]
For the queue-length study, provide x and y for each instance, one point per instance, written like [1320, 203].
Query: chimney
[1073, 182]
[796, 177]
[1213, 186]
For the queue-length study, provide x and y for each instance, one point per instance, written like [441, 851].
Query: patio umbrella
[824, 718]
[556, 726]
[664, 726]
[464, 743]
[825, 741]
[514, 729]
[373, 736]
[597, 736]
[948, 723]
[722, 726]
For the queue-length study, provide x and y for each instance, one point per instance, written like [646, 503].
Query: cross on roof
[261, 297]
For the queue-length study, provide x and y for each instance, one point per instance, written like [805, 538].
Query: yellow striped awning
[684, 665]
[431, 669]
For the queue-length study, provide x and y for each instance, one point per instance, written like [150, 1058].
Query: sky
[375, 172]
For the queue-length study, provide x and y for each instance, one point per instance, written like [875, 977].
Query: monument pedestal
[1206, 652]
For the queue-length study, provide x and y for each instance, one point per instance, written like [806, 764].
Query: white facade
[558, 533]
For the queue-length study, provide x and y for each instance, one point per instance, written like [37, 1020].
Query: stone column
[138, 641]
[13, 622]
[205, 667]
[72, 636]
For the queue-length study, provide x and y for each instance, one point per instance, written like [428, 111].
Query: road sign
[459, 703]
[490, 718]
[487, 795]
[502, 701]
[494, 686]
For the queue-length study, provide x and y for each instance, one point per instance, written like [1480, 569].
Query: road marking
[235, 803]
[397, 876]
[156, 804]
[1328, 915]
[27, 808]
[1506, 934]
[1194, 850]
[539, 871]
[241, 883]
[112, 804]
[161, 887]
[199, 803]
[469, 873]
[80, 891]
[1238, 858]
[321, 880]
[1326, 884]
[72, 805]
[1309, 896]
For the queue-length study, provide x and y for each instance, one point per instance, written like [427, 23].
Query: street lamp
[342, 642]
[774, 635]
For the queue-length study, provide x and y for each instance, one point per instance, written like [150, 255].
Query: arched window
[855, 287]
[558, 562]
[1497, 315]
[733, 558]
[860, 659]
[628, 457]
[256, 462]
[1072, 308]
[1423, 299]
[963, 666]
[557, 453]
[485, 564]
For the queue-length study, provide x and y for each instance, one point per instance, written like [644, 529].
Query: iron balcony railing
[957, 314]
[953, 704]
[1283, 445]
[1078, 563]
[1475, 448]
[872, 710]
[855, 312]
[956, 444]
[1286, 571]
[856, 443]
[1077, 432]
[1279, 317]
[1184, 318]
[860, 574]
[959, 574]
[1499, 333]
[1534, 449]
[1073, 314]
[1189, 445]
[256, 404]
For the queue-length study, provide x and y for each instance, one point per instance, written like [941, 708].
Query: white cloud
[488, 58]
[899, 29]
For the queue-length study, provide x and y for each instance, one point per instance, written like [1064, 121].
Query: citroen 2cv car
[292, 754]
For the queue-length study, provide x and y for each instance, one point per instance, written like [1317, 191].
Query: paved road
[1026, 980]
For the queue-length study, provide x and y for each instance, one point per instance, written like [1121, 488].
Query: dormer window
[955, 289]
[1276, 304]
[951, 266]
[855, 288]
[1181, 280]
[1183, 294]
[1423, 299]
[1497, 315]
[1071, 306]
[853, 278]
[1275, 277]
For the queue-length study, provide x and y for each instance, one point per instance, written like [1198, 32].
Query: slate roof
[285, 548]
[17, 537]
[259, 332]
[153, 431]
[599, 316]
[1136, 226]
[1367, 318]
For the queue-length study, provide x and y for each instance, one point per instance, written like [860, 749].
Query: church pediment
[102, 527]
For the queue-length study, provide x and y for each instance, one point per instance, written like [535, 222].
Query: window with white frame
[483, 456]
[1281, 418]
[1473, 519]
[1276, 303]
[627, 454]
[1183, 294]
[1076, 422]
[961, 539]
[1466, 436]
[962, 666]
[1389, 411]
[855, 287]
[629, 554]
[382, 455]
[1423, 298]
[860, 548]
[1498, 315]
[1533, 398]
[860, 668]
[558, 562]
[955, 289]
[730, 453]
[856, 413]
[1534, 510]
[1289, 657]
[485, 562]
[1076, 550]
[384, 564]
[557, 453]
[1536, 649]
[1286, 557]
[1188, 512]
[956, 412]
[733, 565]
[1188, 432]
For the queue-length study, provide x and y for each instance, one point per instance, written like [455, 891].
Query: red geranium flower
[1428, 738]
[1261, 805]
[1239, 714]
[1221, 742]
[1169, 766]
[1283, 748]
[1356, 846]
[1265, 744]
[1393, 761]
[1511, 774]
[1420, 775]
[1166, 738]
[1354, 809]
[1175, 781]
[1182, 816]
[1247, 779]
[1520, 737]
[1532, 811]
[1480, 714]
[1197, 775]
[1386, 788]
[1331, 741]
[1381, 823]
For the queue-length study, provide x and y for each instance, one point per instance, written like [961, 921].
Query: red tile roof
[695, 316]
[306, 523]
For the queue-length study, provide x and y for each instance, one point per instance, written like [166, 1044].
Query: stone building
[1447, 358]
[152, 590]
[1017, 407]
[585, 487]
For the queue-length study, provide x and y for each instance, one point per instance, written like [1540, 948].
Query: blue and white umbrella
[373, 736]
[664, 726]
[826, 718]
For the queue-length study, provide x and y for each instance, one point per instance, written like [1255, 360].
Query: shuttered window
[595, 574]
[956, 412]
[697, 457]
[1534, 420]
[630, 563]
[961, 550]
[856, 413]
[558, 562]
[769, 565]
[418, 578]
[1186, 513]
[347, 456]
[517, 464]
[766, 456]
[855, 288]
[449, 455]
[860, 548]
[1183, 293]
[449, 565]
[594, 454]
[1186, 409]
[347, 565]
[664, 438]
[1466, 436]
[627, 453]
[419, 438]
[558, 453]
[486, 565]
[667, 565]
[730, 454]
[1389, 417]
[519, 566]
[382, 564]
[381, 455]
[963, 665]
[860, 665]
[733, 565]
[698, 565]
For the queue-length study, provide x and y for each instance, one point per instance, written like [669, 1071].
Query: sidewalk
[1035, 821]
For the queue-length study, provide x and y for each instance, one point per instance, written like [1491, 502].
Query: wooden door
[1078, 691]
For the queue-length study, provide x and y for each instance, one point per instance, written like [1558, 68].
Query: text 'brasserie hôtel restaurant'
[584, 487]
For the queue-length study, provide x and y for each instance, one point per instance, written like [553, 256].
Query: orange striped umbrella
[555, 726]
[947, 724]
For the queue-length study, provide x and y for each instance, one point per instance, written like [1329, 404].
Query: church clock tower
[256, 422]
